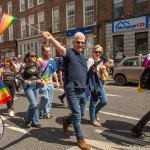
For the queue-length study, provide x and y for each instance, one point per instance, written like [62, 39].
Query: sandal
[97, 119]
[95, 123]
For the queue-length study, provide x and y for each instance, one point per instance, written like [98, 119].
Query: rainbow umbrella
[5, 22]
[4, 94]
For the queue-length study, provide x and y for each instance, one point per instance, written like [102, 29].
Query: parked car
[129, 70]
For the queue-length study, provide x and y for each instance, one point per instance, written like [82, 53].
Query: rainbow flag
[5, 22]
[4, 94]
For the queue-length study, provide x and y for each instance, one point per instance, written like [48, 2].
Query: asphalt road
[124, 109]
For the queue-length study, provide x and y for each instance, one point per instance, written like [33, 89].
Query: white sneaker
[11, 113]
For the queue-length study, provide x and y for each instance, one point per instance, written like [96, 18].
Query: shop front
[128, 37]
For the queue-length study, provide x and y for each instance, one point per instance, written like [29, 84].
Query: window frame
[67, 16]
[113, 3]
[9, 5]
[20, 5]
[1, 11]
[39, 3]
[11, 33]
[84, 14]
[23, 25]
[136, 12]
[115, 51]
[29, 6]
[54, 8]
[30, 28]
[39, 27]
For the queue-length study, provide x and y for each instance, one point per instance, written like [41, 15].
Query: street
[124, 108]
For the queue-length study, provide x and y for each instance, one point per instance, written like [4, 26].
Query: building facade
[120, 26]
[125, 27]
[61, 18]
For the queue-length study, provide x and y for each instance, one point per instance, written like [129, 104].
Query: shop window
[141, 43]
[118, 9]
[141, 7]
[118, 44]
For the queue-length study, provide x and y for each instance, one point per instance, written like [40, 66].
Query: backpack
[145, 79]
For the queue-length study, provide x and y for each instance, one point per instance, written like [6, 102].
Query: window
[132, 62]
[118, 8]
[31, 23]
[141, 43]
[1, 12]
[88, 12]
[22, 5]
[55, 19]
[118, 44]
[11, 32]
[30, 3]
[1, 38]
[71, 15]
[9, 7]
[23, 28]
[41, 21]
[89, 45]
[141, 7]
[40, 1]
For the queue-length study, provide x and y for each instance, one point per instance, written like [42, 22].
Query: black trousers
[11, 88]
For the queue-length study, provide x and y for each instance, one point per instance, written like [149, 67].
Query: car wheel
[120, 80]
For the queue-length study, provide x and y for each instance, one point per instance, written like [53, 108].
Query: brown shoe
[83, 145]
[65, 124]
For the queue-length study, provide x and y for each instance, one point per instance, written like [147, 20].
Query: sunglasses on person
[78, 42]
[97, 52]
[33, 56]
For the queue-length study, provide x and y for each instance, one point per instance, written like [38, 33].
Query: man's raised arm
[55, 43]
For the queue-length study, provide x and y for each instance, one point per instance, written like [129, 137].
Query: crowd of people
[82, 80]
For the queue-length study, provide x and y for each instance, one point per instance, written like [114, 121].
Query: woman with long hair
[7, 75]
[31, 80]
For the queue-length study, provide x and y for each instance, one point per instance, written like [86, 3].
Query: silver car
[129, 70]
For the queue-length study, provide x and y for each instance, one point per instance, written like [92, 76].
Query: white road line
[15, 129]
[61, 90]
[117, 115]
[146, 144]
[12, 127]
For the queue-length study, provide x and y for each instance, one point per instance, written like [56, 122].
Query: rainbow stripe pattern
[5, 22]
[4, 94]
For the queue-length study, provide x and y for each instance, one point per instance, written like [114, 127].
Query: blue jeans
[32, 114]
[77, 101]
[95, 107]
[47, 93]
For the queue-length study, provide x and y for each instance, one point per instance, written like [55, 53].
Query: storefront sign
[86, 30]
[130, 24]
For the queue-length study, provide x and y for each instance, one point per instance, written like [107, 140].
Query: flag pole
[29, 25]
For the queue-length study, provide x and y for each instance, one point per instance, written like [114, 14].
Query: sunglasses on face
[32, 56]
[97, 52]
[78, 42]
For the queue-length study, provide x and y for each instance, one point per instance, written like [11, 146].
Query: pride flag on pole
[108, 48]
[4, 94]
[5, 22]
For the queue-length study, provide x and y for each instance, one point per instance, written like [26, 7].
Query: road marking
[13, 128]
[116, 115]
[61, 90]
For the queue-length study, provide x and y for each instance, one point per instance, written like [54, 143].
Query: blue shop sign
[130, 24]
[86, 30]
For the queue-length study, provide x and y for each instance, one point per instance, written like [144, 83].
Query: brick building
[121, 24]
[61, 17]
[124, 25]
